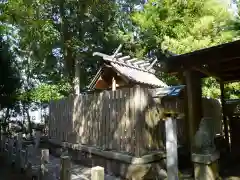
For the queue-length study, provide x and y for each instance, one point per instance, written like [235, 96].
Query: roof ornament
[118, 58]
[132, 69]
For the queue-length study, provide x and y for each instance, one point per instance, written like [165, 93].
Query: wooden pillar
[65, 168]
[186, 137]
[194, 102]
[225, 123]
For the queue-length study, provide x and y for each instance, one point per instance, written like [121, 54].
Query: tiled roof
[139, 71]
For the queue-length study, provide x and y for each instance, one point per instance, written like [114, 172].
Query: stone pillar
[97, 173]
[171, 148]
[44, 162]
[205, 156]
[206, 166]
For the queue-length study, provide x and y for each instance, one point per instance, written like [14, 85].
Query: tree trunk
[66, 37]
[26, 111]
[7, 115]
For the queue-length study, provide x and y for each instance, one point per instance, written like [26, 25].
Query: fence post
[6, 148]
[3, 141]
[10, 150]
[19, 148]
[44, 162]
[29, 157]
[37, 138]
[97, 173]
[23, 160]
[65, 167]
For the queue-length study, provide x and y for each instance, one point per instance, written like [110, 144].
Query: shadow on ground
[8, 173]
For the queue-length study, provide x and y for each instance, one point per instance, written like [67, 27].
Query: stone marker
[171, 147]
[97, 173]
[205, 156]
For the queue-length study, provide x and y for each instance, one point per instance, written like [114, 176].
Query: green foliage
[182, 27]
[9, 77]
[45, 92]
[186, 26]
[50, 37]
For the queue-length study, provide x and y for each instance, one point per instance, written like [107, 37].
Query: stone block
[206, 166]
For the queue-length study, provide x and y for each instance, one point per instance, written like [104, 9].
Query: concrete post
[44, 162]
[171, 147]
[65, 167]
[97, 173]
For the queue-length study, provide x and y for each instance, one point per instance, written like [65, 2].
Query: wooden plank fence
[126, 120]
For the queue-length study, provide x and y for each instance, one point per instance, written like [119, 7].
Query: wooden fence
[127, 120]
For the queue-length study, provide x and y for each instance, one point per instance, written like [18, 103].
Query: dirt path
[8, 173]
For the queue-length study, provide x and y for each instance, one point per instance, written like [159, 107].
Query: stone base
[151, 166]
[206, 166]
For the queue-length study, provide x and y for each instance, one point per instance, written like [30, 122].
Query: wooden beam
[231, 78]
[231, 73]
[194, 98]
[206, 72]
[231, 69]
[117, 50]
[124, 64]
[114, 84]
[138, 62]
[210, 55]
[152, 64]
[124, 58]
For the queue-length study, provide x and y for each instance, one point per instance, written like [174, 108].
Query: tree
[65, 34]
[9, 76]
[184, 26]
[9, 81]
